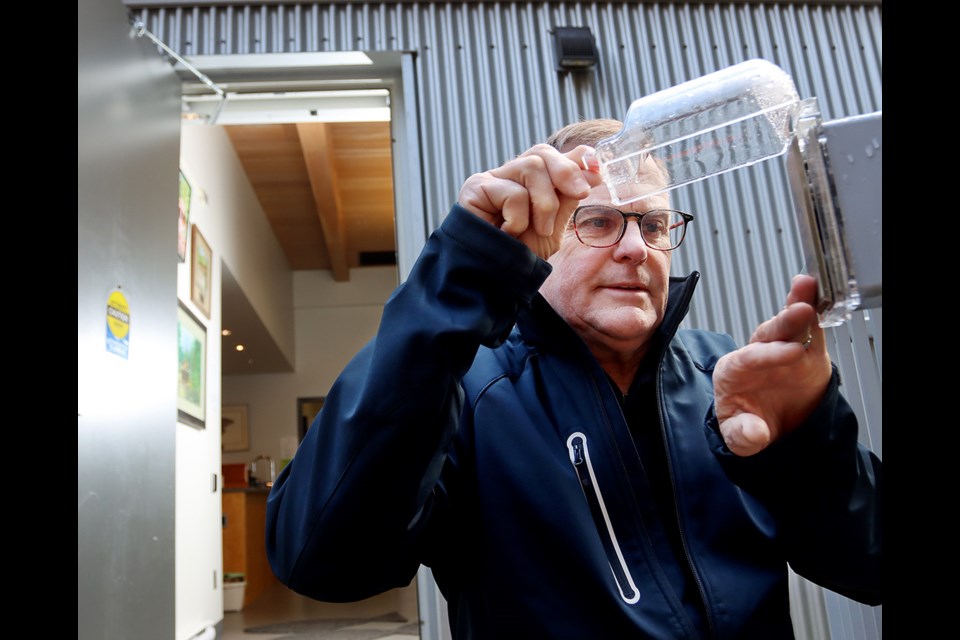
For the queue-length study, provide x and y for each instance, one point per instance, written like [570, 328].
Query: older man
[568, 462]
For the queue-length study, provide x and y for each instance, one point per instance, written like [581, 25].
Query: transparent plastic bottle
[732, 118]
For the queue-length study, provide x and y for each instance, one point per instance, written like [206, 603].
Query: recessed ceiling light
[239, 347]
[226, 332]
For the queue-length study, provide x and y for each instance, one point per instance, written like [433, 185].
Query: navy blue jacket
[477, 434]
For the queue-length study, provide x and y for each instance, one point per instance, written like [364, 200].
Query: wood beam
[318, 158]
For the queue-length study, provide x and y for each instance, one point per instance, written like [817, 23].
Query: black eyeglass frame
[626, 215]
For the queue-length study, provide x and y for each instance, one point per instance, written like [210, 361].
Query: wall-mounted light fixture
[575, 47]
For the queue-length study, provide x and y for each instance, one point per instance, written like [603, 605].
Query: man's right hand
[533, 196]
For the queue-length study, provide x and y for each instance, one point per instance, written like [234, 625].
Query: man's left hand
[767, 388]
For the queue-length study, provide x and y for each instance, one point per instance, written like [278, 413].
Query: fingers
[540, 188]
[586, 158]
[554, 183]
[542, 200]
[803, 288]
[745, 434]
[798, 321]
[564, 170]
[759, 356]
[793, 324]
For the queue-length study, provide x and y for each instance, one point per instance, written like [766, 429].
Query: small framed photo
[183, 221]
[201, 272]
[192, 369]
[235, 430]
[307, 410]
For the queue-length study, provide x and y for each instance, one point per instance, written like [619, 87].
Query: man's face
[614, 297]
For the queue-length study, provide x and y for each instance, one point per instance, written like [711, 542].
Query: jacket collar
[539, 324]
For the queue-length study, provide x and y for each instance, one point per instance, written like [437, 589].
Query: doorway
[310, 179]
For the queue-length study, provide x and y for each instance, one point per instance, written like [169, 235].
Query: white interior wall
[333, 320]
[245, 238]
[228, 215]
[199, 593]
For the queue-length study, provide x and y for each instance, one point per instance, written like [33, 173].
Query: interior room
[310, 170]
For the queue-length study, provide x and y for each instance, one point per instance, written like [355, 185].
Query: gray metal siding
[487, 89]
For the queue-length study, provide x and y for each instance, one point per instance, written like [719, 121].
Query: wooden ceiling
[326, 189]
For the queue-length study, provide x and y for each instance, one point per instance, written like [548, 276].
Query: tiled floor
[279, 604]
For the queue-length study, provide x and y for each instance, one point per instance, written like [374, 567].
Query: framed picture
[183, 223]
[235, 432]
[307, 410]
[192, 369]
[201, 272]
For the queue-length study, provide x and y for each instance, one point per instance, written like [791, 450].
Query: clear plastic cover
[820, 221]
[719, 122]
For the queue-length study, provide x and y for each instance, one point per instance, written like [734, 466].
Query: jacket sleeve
[824, 490]
[345, 516]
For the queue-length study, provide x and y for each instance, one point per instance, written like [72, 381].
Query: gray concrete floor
[279, 604]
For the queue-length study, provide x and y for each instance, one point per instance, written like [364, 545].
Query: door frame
[396, 72]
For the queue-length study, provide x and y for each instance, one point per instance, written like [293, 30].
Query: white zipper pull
[580, 457]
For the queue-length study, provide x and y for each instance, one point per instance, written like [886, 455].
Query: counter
[244, 538]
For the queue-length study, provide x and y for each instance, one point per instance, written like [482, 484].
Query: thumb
[745, 434]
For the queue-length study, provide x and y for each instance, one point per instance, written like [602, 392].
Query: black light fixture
[576, 48]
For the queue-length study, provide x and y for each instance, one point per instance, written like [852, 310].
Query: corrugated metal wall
[488, 89]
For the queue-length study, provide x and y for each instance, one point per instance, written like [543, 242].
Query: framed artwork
[191, 369]
[201, 272]
[183, 223]
[307, 410]
[235, 432]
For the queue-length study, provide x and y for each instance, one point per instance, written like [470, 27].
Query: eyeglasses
[599, 226]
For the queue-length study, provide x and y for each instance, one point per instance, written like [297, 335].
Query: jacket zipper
[676, 510]
[580, 457]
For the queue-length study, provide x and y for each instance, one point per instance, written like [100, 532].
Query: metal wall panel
[128, 142]
[487, 89]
